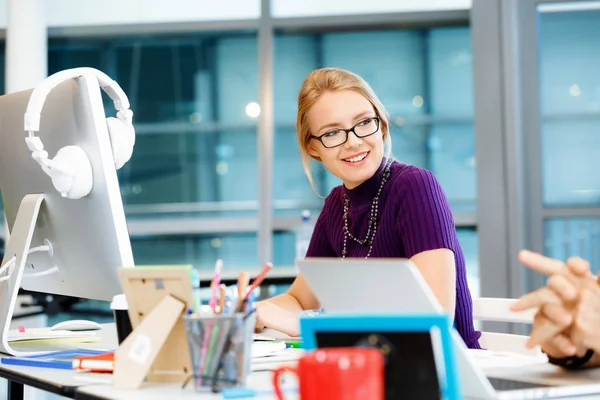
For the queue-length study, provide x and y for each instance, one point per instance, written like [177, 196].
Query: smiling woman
[359, 148]
[384, 209]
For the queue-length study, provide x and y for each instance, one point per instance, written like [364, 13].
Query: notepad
[104, 362]
[267, 349]
[494, 359]
[263, 338]
[46, 334]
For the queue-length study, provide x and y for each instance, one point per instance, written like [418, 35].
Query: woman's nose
[353, 140]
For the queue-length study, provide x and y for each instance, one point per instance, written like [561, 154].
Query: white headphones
[71, 169]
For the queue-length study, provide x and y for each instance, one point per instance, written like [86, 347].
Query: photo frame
[418, 352]
[157, 348]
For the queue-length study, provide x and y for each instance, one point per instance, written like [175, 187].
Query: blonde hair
[325, 80]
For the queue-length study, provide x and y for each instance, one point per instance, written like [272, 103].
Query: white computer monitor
[88, 236]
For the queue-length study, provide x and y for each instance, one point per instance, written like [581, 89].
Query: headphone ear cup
[76, 161]
[121, 140]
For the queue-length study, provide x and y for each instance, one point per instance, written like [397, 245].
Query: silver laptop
[397, 286]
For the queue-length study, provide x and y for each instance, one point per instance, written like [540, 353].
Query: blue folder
[57, 359]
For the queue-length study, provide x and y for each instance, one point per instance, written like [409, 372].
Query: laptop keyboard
[507, 384]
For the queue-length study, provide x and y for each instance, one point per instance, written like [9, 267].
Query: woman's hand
[282, 312]
[270, 315]
[260, 325]
[568, 307]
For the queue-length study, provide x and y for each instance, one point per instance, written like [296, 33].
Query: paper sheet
[495, 359]
[266, 349]
[271, 334]
[45, 334]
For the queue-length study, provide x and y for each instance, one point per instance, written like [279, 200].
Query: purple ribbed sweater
[414, 216]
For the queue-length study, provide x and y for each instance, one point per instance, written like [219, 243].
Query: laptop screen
[409, 357]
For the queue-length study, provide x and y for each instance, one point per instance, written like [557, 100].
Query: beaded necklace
[373, 219]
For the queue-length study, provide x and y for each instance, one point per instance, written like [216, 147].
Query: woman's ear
[312, 151]
[384, 130]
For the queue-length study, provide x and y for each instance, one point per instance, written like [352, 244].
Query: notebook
[104, 362]
[45, 334]
[267, 348]
[57, 359]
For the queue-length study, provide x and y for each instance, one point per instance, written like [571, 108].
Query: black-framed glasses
[338, 137]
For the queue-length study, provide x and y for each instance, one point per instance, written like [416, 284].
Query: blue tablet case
[419, 354]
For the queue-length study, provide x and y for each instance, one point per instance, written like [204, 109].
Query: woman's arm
[298, 297]
[282, 312]
[426, 225]
[439, 270]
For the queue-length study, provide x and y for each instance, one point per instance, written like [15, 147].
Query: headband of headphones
[39, 94]
[36, 103]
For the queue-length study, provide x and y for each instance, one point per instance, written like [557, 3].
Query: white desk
[516, 367]
[83, 387]
[260, 381]
[74, 385]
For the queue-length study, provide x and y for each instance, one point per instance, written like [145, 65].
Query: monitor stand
[17, 248]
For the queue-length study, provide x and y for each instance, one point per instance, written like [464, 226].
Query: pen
[261, 276]
[230, 299]
[242, 285]
[222, 296]
[213, 306]
[293, 344]
[255, 283]
[251, 301]
[215, 284]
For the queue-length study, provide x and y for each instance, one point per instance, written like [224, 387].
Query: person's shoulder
[410, 177]
[414, 186]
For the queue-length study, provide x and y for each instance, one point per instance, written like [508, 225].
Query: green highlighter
[293, 344]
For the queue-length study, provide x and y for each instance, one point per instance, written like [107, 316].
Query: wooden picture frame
[157, 348]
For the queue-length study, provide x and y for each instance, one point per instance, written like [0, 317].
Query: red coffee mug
[348, 373]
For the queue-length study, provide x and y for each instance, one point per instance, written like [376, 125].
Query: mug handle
[276, 374]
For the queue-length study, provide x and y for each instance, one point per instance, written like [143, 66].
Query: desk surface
[58, 381]
[259, 381]
[85, 386]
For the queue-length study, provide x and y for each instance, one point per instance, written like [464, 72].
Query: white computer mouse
[76, 325]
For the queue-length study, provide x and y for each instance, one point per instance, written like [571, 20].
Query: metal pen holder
[220, 349]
